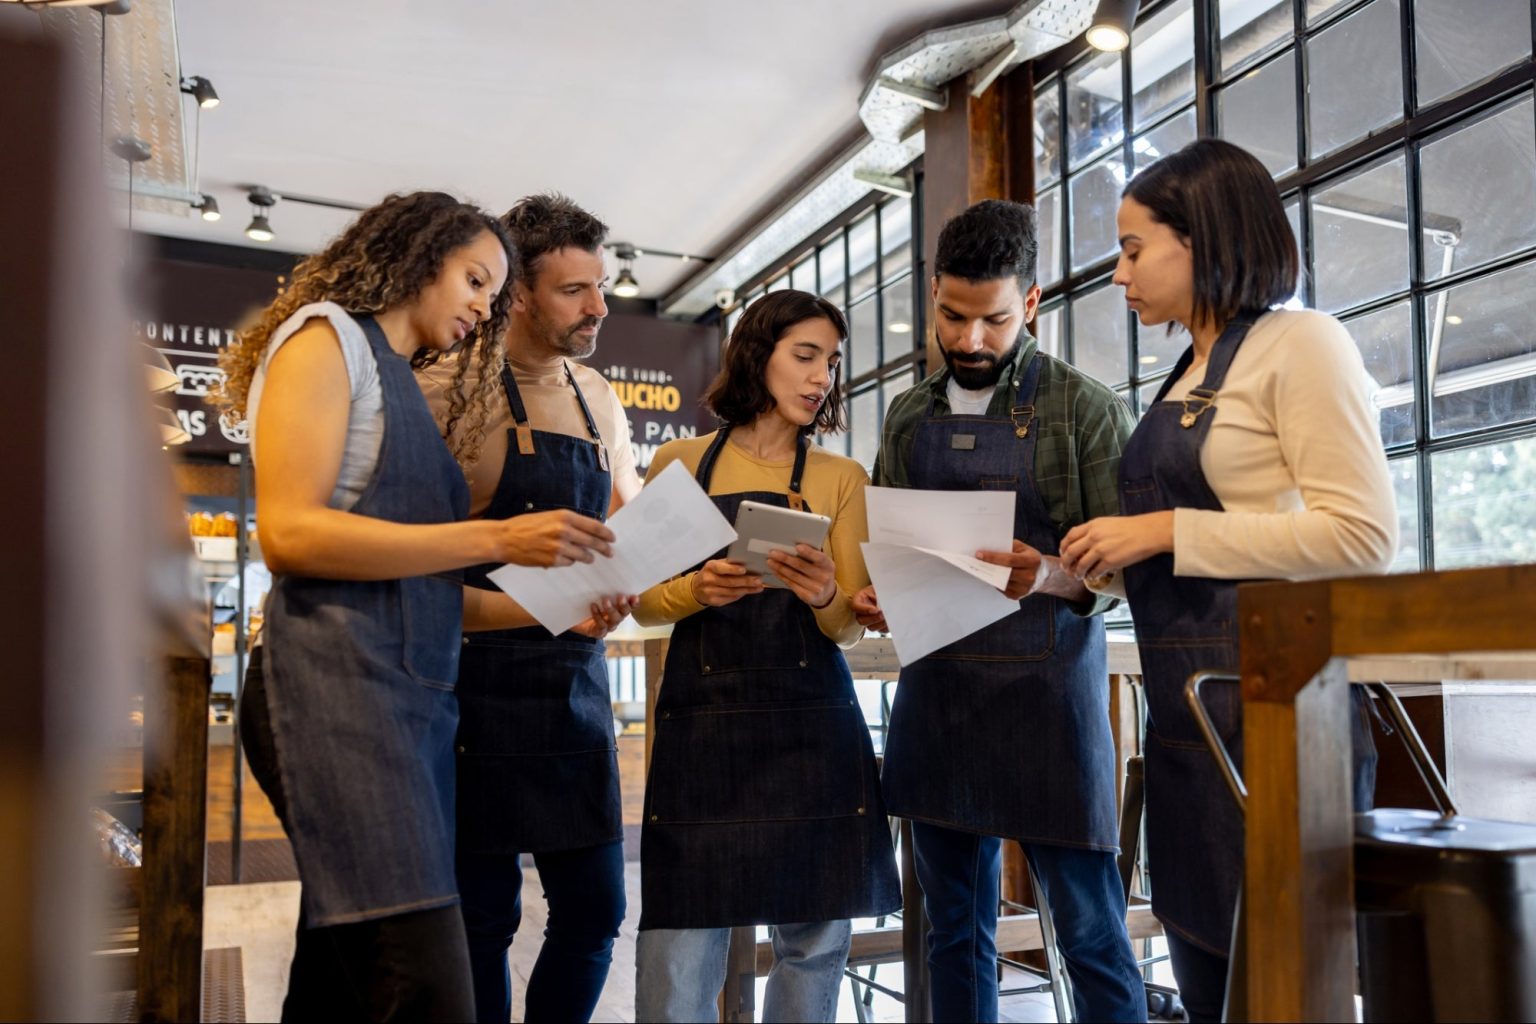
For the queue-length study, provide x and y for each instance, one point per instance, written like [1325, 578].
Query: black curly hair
[382, 260]
[993, 239]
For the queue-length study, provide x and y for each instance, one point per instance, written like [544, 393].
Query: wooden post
[175, 826]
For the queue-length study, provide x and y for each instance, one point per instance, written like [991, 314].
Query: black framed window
[1402, 135]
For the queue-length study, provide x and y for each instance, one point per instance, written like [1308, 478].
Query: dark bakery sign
[194, 306]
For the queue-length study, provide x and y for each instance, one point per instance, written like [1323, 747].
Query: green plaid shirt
[1077, 453]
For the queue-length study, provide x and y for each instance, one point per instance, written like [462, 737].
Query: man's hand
[809, 573]
[1025, 563]
[606, 616]
[867, 610]
[1110, 543]
[723, 582]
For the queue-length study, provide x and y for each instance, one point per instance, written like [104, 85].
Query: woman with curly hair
[348, 714]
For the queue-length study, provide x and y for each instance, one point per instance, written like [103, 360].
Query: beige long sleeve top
[833, 486]
[1295, 456]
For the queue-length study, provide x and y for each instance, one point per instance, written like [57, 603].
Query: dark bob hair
[739, 393]
[993, 239]
[1224, 204]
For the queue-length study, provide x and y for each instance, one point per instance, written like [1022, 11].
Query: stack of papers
[670, 526]
[921, 559]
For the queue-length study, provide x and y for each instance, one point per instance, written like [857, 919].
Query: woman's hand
[1110, 543]
[721, 582]
[807, 572]
[866, 608]
[606, 615]
[547, 539]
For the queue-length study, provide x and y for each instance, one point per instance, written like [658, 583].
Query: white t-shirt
[1295, 456]
[965, 402]
[365, 419]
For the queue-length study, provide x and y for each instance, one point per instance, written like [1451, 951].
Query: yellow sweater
[833, 486]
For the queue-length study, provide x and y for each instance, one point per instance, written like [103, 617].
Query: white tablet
[763, 528]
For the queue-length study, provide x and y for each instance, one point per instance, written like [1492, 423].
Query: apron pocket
[760, 762]
[431, 618]
[1029, 634]
[742, 643]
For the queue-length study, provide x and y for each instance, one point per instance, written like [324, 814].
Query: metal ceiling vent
[912, 78]
[140, 71]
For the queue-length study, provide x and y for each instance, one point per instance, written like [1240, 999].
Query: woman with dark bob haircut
[762, 805]
[347, 713]
[1260, 460]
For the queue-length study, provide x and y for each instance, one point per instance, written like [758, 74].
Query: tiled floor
[260, 919]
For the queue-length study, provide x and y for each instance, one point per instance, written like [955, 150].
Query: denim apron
[538, 765]
[762, 805]
[1185, 624]
[1005, 732]
[360, 679]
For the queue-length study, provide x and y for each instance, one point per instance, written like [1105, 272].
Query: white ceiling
[677, 121]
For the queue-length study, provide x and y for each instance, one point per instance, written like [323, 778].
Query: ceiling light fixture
[1112, 24]
[157, 370]
[260, 228]
[625, 286]
[202, 90]
[899, 327]
[208, 206]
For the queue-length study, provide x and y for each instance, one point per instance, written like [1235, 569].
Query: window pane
[779, 283]
[1048, 331]
[1100, 347]
[1157, 349]
[1317, 9]
[1385, 338]
[1162, 62]
[1293, 214]
[835, 442]
[1453, 50]
[1258, 112]
[897, 308]
[1485, 505]
[1095, 198]
[803, 275]
[1048, 260]
[1405, 488]
[1479, 192]
[831, 256]
[1360, 238]
[1250, 27]
[1356, 74]
[863, 352]
[895, 238]
[1485, 373]
[1166, 138]
[1094, 115]
[861, 255]
[1048, 133]
[864, 435]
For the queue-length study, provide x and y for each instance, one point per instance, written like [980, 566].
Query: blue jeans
[585, 892]
[960, 875]
[679, 972]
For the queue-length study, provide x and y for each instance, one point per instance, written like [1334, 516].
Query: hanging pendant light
[1112, 24]
[171, 430]
[158, 371]
[260, 228]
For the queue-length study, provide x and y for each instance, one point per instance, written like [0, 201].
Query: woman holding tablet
[762, 805]
[1260, 460]
[348, 713]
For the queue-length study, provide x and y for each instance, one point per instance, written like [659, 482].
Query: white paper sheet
[928, 602]
[669, 526]
[952, 525]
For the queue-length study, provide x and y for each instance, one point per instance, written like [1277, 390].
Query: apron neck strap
[519, 411]
[707, 465]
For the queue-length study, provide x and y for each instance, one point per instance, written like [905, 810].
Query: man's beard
[566, 341]
[986, 374]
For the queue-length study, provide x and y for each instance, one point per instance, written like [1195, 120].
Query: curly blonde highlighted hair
[383, 260]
